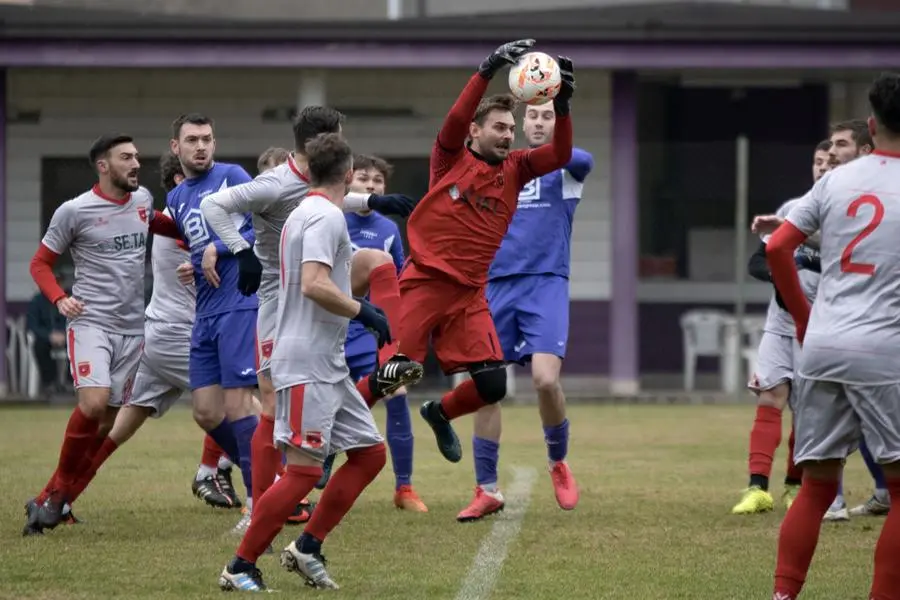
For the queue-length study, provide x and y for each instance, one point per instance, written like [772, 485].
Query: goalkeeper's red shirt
[458, 226]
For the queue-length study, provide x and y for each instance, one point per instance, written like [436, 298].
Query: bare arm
[316, 284]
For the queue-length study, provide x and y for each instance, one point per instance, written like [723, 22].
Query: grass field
[656, 483]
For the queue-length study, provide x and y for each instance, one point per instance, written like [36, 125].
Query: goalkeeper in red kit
[455, 231]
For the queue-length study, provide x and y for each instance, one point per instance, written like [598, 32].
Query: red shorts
[454, 317]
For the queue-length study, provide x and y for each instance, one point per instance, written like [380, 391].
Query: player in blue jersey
[223, 343]
[370, 230]
[528, 293]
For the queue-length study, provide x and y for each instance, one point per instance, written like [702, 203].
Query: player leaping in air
[528, 294]
[456, 230]
[270, 198]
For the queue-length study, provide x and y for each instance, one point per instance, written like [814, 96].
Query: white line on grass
[485, 569]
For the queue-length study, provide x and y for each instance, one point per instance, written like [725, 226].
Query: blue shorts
[531, 315]
[223, 350]
[362, 364]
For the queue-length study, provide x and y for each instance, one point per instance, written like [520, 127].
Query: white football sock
[204, 471]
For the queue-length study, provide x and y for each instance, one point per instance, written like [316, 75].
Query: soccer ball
[535, 78]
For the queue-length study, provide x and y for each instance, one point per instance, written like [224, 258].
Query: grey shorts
[776, 359]
[98, 358]
[266, 318]
[162, 375]
[324, 418]
[830, 419]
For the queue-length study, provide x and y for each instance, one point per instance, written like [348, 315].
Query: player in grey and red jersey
[162, 374]
[105, 229]
[318, 407]
[771, 381]
[270, 198]
[848, 381]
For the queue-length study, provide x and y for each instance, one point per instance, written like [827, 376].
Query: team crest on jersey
[312, 439]
[265, 348]
[142, 213]
[84, 369]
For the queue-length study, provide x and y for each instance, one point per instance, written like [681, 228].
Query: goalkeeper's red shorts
[454, 317]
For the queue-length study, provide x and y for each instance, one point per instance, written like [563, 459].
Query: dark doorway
[688, 155]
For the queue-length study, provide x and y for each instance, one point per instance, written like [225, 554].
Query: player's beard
[194, 167]
[500, 150]
[122, 181]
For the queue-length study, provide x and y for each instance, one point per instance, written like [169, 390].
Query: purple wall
[589, 351]
[660, 344]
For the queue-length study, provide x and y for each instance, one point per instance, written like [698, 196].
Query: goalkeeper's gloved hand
[374, 319]
[249, 272]
[392, 204]
[505, 55]
[562, 102]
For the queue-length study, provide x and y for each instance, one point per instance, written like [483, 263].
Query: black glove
[249, 272]
[374, 319]
[808, 262]
[505, 55]
[562, 102]
[392, 204]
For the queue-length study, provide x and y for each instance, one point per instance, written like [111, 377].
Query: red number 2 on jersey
[847, 264]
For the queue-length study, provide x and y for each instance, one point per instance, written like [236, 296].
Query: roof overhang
[685, 35]
[399, 55]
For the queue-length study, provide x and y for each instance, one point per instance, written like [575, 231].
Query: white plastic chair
[32, 383]
[702, 335]
[12, 355]
[753, 329]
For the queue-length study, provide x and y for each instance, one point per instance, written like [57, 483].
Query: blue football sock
[557, 440]
[243, 433]
[224, 437]
[487, 455]
[874, 468]
[400, 439]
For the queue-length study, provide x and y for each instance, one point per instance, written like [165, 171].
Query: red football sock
[80, 435]
[364, 389]
[107, 447]
[274, 507]
[211, 453]
[462, 400]
[794, 473]
[384, 291]
[83, 466]
[264, 456]
[764, 439]
[886, 583]
[345, 486]
[800, 534]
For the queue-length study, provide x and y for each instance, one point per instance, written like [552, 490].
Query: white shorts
[266, 318]
[776, 359]
[98, 358]
[324, 418]
[831, 418]
[162, 376]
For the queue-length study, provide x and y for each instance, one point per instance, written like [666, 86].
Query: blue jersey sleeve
[237, 176]
[397, 248]
[581, 164]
